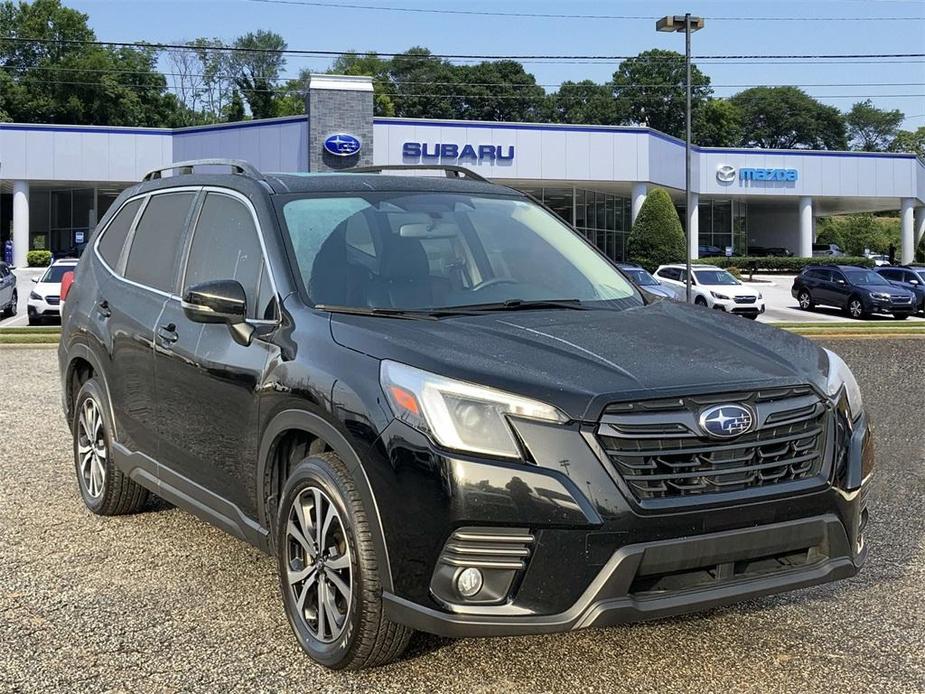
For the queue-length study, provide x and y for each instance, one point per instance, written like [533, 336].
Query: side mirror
[219, 301]
[35, 280]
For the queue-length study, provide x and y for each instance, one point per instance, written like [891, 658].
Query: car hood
[580, 360]
[730, 289]
[46, 288]
[890, 289]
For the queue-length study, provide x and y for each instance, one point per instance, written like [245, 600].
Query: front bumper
[610, 598]
[43, 309]
[730, 306]
[598, 557]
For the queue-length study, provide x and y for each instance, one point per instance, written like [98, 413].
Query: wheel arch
[79, 357]
[302, 422]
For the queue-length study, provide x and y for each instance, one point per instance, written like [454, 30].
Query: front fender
[318, 426]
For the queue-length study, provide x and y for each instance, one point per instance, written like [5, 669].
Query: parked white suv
[714, 287]
[45, 299]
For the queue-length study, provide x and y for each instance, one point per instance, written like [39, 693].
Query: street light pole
[688, 25]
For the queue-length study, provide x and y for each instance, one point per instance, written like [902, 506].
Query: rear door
[7, 284]
[208, 384]
[130, 303]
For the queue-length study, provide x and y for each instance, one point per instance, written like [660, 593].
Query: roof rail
[449, 170]
[186, 167]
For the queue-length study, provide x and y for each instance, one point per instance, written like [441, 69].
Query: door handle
[103, 308]
[168, 333]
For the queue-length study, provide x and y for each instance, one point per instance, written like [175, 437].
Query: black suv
[858, 291]
[908, 277]
[441, 409]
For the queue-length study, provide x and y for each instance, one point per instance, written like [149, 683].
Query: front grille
[902, 299]
[659, 450]
[745, 299]
[52, 300]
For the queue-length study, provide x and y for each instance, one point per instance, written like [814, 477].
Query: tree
[656, 237]
[583, 102]
[425, 86]
[650, 87]
[499, 90]
[372, 65]
[717, 123]
[788, 118]
[234, 111]
[256, 64]
[872, 129]
[856, 233]
[910, 141]
[67, 79]
[217, 80]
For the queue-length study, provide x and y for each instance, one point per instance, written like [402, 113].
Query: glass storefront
[61, 220]
[603, 217]
[723, 224]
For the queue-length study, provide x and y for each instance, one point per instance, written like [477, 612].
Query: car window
[836, 275]
[420, 250]
[909, 276]
[865, 277]
[641, 277]
[113, 238]
[226, 247]
[3, 271]
[156, 245]
[715, 277]
[55, 273]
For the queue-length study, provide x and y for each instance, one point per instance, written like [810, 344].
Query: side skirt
[183, 492]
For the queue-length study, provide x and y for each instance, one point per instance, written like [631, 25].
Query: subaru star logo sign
[725, 173]
[726, 421]
[342, 144]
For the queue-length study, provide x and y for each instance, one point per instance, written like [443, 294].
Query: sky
[867, 27]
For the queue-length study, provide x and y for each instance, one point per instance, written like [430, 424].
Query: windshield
[921, 275]
[864, 277]
[54, 274]
[435, 251]
[640, 277]
[714, 277]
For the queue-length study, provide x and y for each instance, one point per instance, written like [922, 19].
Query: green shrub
[791, 264]
[856, 232]
[38, 258]
[735, 271]
[656, 237]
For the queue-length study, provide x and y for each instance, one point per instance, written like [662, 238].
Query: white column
[806, 227]
[919, 227]
[20, 222]
[906, 230]
[693, 226]
[639, 196]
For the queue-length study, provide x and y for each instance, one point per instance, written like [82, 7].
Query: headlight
[839, 375]
[717, 295]
[880, 295]
[37, 297]
[458, 415]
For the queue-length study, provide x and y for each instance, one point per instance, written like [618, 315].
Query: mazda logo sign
[726, 421]
[725, 173]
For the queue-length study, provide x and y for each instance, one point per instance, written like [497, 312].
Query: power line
[549, 15]
[522, 85]
[296, 51]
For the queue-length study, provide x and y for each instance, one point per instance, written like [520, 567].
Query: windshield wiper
[381, 312]
[514, 305]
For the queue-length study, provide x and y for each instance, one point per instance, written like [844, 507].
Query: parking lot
[161, 601]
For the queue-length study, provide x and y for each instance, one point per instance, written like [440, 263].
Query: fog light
[469, 582]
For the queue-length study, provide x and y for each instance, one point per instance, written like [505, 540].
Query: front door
[208, 384]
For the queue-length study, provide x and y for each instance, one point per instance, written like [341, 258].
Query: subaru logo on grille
[342, 144]
[726, 421]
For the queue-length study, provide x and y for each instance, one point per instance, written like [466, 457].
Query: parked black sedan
[858, 291]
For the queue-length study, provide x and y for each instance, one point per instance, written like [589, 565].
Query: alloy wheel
[855, 308]
[318, 566]
[91, 448]
[804, 300]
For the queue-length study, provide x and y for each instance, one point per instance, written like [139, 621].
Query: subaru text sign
[727, 174]
[447, 151]
[342, 144]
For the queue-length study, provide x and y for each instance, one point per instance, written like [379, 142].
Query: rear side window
[158, 240]
[112, 240]
[226, 247]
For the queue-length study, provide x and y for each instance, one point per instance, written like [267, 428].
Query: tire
[35, 320]
[10, 309]
[805, 299]
[751, 316]
[901, 316]
[855, 308]
[359, 634]
[700, 301]
[105, 489]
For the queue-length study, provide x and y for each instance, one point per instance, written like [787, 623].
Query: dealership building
[56, 181]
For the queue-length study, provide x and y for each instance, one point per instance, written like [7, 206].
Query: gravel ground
[163, 602]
